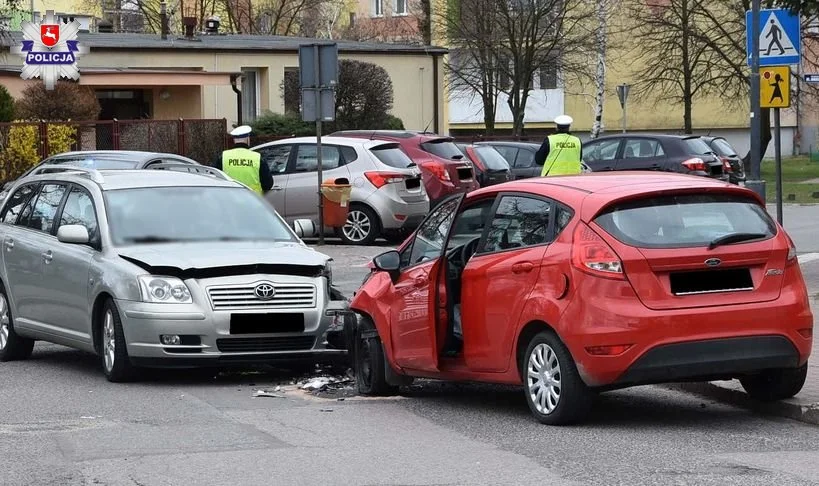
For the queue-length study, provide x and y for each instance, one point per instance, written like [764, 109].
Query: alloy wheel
[358, 226]
[4, 322]
[543, 378]
[108, 341]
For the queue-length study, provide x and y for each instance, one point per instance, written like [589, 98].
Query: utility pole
[755, 183]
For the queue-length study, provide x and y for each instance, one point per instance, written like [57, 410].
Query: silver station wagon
[160, 268]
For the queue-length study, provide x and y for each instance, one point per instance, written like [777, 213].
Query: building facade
[145, 76]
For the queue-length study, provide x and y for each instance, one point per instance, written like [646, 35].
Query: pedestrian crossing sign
[775, 87]
[779, 37]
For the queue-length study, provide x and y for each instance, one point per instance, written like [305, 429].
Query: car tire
[13, 347]
[548, 358]
[362, 227]
[370, 362]
[773, 385]
[113, 351]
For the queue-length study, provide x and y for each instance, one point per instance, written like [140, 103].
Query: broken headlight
[328, 272]
[155, 289]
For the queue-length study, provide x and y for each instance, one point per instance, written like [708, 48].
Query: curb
[787, 408]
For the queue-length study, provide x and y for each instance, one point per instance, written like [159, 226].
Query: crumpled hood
[199, 256]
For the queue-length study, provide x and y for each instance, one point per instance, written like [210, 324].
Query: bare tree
[538, 34]
[501, 46]
[680, 66]
[406, 27]
[475, 34]
[603, 9]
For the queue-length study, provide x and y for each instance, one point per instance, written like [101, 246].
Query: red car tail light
[380, 179]
[793, 258]
[592, 255]
[726, 164]
[694, 164]
[438, 170]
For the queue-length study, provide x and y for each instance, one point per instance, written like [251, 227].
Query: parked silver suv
[160, 268]
[388, 197]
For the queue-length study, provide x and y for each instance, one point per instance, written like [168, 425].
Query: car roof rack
[91, 173]
[196, 169]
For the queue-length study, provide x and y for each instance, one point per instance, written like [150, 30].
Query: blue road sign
[780, 40]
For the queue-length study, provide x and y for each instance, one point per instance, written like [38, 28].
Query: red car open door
[414, 311]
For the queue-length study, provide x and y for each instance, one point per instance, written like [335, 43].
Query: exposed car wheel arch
[96, 319]
[529, 331]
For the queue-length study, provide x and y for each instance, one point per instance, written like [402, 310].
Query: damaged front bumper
[205, 338]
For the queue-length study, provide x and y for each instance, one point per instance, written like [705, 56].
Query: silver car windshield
[173, 214]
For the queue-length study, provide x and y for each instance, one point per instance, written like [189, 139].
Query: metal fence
[24, 144]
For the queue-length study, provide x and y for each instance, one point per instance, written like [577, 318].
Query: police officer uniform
[245, 165]
[562, 152]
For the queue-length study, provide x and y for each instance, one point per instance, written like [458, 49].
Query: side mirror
[304, 228]
[73, 233]
[389, 262]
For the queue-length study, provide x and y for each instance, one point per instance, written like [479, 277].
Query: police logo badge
[50, 50]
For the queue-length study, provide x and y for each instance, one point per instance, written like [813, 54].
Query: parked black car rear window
[697, 146]
[685, 220]
[442, 148]
[392, 155]
[491, 158]
[723, 148]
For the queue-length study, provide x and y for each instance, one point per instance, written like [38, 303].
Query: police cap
[241, 131]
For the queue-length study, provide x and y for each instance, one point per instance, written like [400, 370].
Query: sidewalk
[804, 406]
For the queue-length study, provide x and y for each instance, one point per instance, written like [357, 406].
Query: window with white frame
[250, 94]
[378, 8]
[401, 7]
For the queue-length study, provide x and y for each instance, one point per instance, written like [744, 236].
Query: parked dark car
[729, 156]
[520, 156]
[443, 168]
[490, 166]
[685, 154]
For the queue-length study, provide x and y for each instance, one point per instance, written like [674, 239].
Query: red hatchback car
[579, 284]
[443, 168]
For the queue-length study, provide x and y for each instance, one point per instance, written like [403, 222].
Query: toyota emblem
[265, 291]
[713, 262]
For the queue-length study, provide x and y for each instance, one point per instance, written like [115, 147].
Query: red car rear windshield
[442, 148]
[686, 220]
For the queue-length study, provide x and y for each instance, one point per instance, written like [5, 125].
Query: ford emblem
[265, 291]
[713, 262]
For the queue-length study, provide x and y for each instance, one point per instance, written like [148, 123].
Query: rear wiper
[734, 238]
[150, 239]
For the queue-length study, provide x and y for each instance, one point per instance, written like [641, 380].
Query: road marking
[807, 257]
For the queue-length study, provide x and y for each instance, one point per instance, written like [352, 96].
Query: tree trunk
[600, 79]
[687, 123]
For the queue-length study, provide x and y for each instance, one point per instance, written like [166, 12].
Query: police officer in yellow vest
[245, 165]
[561, 153]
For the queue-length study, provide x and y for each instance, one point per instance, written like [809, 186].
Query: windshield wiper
[150, 239]
[734, 238]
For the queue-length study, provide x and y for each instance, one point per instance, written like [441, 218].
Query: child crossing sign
[775, 87]
[780, 42]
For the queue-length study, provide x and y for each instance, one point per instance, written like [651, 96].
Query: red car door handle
[522, 267]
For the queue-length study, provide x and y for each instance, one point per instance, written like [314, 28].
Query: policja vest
[564, 155]
[243, 165]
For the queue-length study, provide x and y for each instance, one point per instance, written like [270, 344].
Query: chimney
[212, 25]
[190, 26]
[163, 19]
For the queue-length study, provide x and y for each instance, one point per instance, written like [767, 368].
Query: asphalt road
[62, 423]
